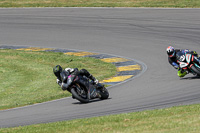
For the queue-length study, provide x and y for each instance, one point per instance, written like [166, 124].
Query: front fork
[94, 91]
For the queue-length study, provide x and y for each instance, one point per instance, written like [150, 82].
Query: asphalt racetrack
[137, 33]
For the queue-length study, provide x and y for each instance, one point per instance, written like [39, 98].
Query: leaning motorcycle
[84, 90]
[186, 61]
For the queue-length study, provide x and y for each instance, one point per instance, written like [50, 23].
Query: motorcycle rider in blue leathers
[174, 62]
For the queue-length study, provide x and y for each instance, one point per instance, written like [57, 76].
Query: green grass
[27, 77]
[101, 3]
[183, 119]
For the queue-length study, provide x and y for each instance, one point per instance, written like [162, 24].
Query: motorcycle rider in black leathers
[172, 58]
[60, 73]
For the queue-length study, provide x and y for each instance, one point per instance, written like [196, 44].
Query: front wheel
[81, 96]
[104, 93]
[195, 69]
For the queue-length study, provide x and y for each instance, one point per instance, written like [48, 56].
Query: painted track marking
[126, 68]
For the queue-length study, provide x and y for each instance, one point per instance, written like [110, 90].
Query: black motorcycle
[83, 89]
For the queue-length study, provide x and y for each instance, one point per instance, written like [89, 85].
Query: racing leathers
[174, 62]
[65, 82]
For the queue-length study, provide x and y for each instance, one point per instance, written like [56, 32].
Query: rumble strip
[126, 68]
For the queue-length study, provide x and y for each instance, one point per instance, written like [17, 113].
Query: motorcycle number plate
[183, 64]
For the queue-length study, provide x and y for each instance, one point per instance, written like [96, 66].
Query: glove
[176, 67]
[96, 81]
[180, 74]
[195, 53]
[58, 81]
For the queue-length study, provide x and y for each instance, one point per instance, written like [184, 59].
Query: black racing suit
[63, 80]
[173, 60]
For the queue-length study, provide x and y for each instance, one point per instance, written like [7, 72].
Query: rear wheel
[80, 94]
[196, 70]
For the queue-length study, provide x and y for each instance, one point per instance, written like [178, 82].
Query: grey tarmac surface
[137, 33]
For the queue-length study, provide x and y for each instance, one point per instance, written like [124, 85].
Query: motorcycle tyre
[196, 70]
[76, 96]
[104, 95]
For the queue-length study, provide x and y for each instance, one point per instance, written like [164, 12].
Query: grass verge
[101, 3]
[182, 119]
[27, 77]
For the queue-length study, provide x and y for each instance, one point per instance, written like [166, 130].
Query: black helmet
[171, 51]
[57, 70]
